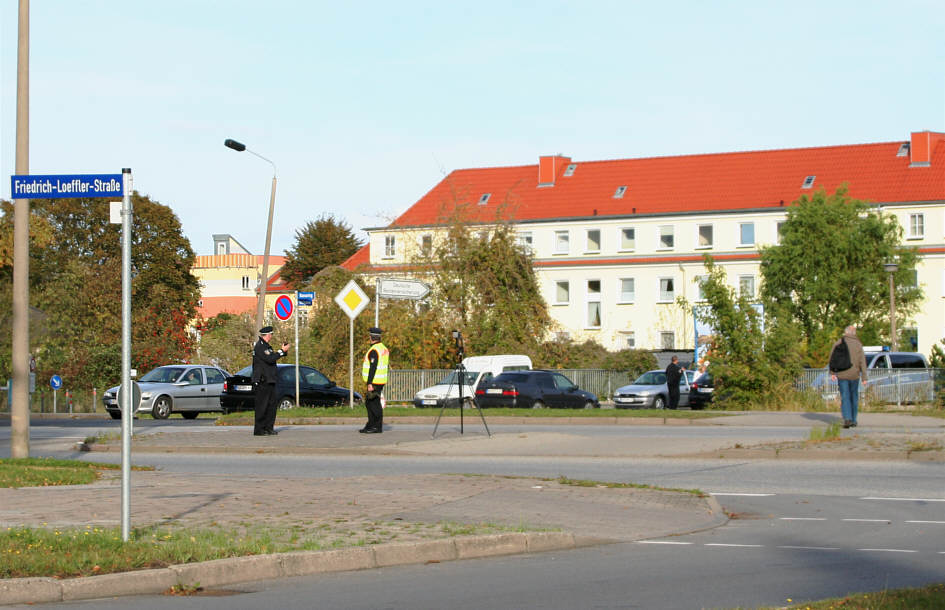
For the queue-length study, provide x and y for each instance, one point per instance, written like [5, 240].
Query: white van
[478, 370]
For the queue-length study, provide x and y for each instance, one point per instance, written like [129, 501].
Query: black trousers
[673, 396]
[265, 407]
[375, 413]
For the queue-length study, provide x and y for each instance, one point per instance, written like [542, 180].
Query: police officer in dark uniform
[264, 382]
[673, 375]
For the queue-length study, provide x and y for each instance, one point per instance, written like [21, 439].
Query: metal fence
[898, 386]
[402, 384]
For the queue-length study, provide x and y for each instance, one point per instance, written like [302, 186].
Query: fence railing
[897, 386]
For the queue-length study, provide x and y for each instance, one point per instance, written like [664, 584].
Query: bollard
[69, 397]
[94, 400]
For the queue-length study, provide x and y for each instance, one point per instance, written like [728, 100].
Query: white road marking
[932, 522]
[752, 546]
[662, 542]
[803, 518]
[905, 499]
[869, 520]
[888, 550]
[811, 548]
[743, 495]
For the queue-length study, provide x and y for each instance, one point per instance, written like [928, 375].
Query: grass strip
[42, 472]
[930, 597]
[72, 552]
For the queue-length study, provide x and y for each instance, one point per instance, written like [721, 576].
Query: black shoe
[363, 430]
[853, 424]
[271, 432]
[372, 430]
[847, 423]
[260, 434]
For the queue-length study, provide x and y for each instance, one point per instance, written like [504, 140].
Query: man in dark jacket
[673, 375]
[847, 379]
[264, 382]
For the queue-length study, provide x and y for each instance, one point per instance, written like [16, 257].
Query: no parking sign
[284, 308]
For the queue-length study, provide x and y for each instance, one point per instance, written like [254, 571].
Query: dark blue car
[315, 390]
[535, 389]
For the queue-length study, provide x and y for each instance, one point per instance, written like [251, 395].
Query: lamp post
[891, 269]
[261, 304]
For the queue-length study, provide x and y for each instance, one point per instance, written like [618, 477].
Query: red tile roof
[682, 184]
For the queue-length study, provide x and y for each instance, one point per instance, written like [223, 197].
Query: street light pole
[891, 268]
[261, 303]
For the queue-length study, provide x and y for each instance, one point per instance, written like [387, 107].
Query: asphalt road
[801, 530]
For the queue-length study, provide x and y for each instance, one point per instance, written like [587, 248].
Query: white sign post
[352, 301]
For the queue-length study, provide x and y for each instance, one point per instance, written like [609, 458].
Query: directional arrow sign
[352, 299]
[403, 289]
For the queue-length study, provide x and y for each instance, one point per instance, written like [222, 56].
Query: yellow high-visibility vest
[383, 357]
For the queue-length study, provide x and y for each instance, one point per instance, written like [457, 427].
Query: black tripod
[459, 377]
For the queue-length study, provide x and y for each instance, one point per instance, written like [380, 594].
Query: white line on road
[905, 499]
[931, 522]
[803, 518]
[661, 542]
[743, 495]
[811, 548]
[869, 520]
[888, 550]
[751, 546]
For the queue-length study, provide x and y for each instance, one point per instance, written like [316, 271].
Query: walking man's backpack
[840, 357]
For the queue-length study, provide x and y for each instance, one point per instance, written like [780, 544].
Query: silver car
[649, 391]
[188, 389]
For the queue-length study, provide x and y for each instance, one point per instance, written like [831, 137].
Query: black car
[534, 389]
[315, 390]
[700, 392]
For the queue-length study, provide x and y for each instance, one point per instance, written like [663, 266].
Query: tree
[318, 244]
[827, 272]
[76, 288]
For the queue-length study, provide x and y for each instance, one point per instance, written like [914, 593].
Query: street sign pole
[296, 350]
[352, 301]
[126, 412]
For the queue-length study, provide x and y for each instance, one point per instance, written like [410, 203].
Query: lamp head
[237, 146]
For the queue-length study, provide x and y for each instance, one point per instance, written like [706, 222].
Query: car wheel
[190, 414]
[588, 405]
[286, 402]
[696, 407]
[538, 405]
[659, 403]
[162, 408]
[115, 414]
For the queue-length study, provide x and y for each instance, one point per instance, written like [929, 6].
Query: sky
[364, 106]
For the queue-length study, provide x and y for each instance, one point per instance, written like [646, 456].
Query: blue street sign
[55, 382]
[66, 185]
[304, 298]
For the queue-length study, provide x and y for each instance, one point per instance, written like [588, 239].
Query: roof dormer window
[485, 198]
[618, 194]
[903, 150]
[569, 171]
[808, 182]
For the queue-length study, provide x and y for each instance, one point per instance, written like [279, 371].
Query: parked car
[188, 389]
[701, 391]
[891, 377]
[479, 369]
[535, 389]
[315, 389]
[649, 391]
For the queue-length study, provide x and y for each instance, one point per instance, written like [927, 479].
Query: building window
[746, 286]
[562, 242]
[390, 246]
[700, 286]
[245, 282]
[618, 194]
[668, 339]
[426, 245]
[485, 198]
[628, 238]
[666, 237]
[916, 226]
[524, 240]
[704, 239]
[221, 248]
[746, 234]
[667, 290]
[631, 340]
[593, 241]
[562, 292]
[593, 304]
[779, 229]
[627, 294]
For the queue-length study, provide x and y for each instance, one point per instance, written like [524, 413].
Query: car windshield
[451, 379]
[651, 378]
[164, 374]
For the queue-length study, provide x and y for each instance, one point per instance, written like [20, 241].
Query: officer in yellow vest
[374, 373]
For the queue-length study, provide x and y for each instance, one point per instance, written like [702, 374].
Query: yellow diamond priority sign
[352, 299]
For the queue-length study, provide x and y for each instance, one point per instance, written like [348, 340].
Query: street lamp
[891, 269]
[261, 304]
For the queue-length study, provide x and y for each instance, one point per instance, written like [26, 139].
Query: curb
[822, 454]
[221, 572]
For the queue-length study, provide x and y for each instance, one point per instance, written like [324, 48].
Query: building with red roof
[616, 241]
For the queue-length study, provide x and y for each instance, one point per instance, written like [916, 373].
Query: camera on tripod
[460, 348]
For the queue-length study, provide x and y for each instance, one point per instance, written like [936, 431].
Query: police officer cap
[265, 330]
[375, 331]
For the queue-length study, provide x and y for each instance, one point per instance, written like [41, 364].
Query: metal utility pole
[20, 406]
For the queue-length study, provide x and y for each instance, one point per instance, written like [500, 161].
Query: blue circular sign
[284, 308]
[55, 382]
